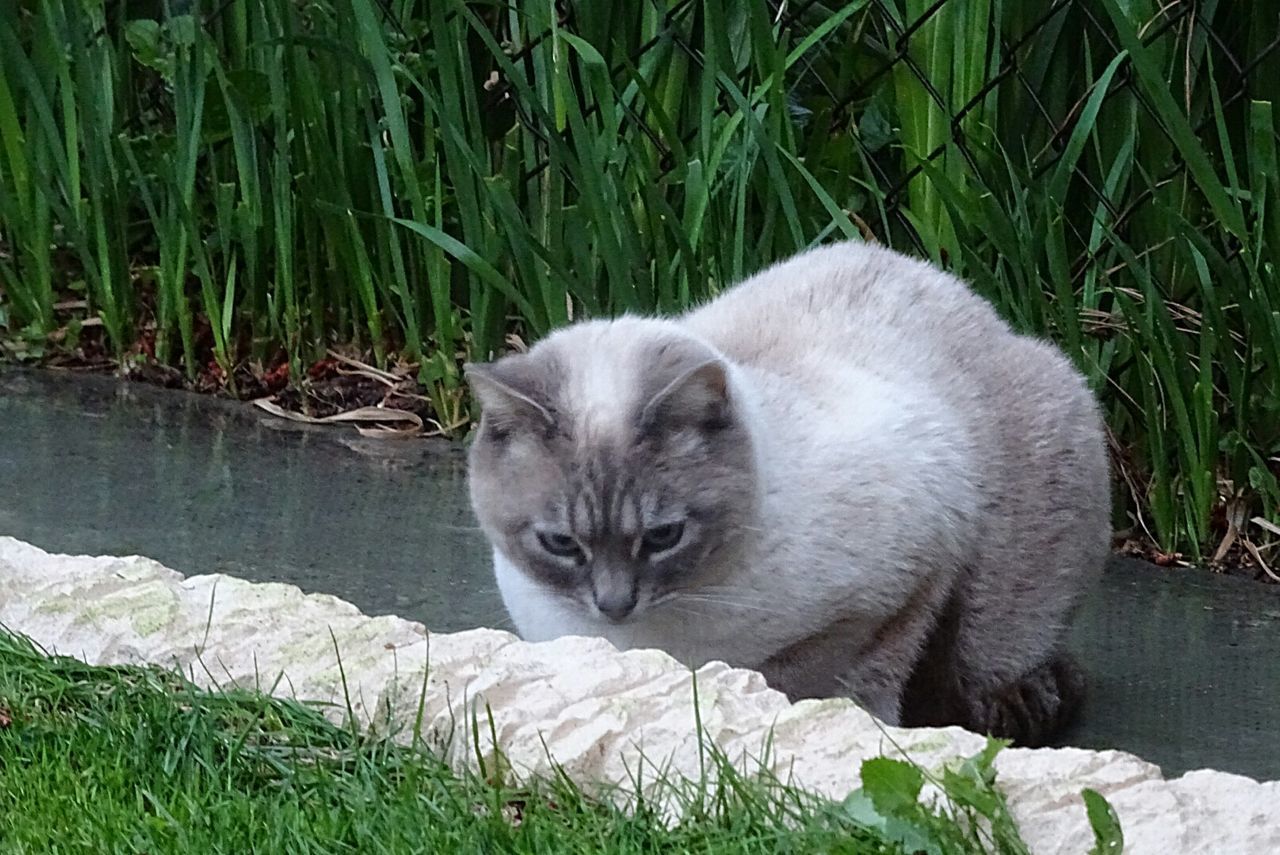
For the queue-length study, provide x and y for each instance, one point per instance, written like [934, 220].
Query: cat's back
[881, 360]
[852, 304]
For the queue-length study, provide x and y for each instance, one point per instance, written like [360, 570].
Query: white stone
[599, 713]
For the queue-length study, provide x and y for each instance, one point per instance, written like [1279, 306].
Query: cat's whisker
[716, 589]
[679, 605]
[728, 592]
[732, 603]
[727, 601]
[686, 610]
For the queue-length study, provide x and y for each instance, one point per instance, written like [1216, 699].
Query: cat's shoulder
[864, 279]
[852, 269]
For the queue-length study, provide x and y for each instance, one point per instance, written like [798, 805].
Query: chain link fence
[1235, 47]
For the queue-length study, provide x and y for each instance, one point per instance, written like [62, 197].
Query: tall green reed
[249, 181]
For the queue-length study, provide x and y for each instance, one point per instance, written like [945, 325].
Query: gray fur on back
[877, 483]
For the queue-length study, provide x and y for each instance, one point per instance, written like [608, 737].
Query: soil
[340, 383]
[1237, 560]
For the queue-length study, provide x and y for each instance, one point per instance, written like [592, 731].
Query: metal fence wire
[1229, 54]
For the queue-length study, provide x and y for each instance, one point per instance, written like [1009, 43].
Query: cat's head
[614, 462]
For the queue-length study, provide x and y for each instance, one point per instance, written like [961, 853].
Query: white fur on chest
[726, 629]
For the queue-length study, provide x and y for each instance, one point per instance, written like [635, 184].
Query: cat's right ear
[697, 396]
[510, 395]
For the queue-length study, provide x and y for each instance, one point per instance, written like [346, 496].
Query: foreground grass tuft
[98, 759]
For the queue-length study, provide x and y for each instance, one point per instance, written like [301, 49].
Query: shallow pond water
[1185, 666]
[93, 465]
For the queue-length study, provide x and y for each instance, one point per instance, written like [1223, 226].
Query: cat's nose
[616, 605]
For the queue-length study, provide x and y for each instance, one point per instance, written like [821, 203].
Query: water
[1185, 666]
[92, 465]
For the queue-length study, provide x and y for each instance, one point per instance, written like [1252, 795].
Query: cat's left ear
[698, 397]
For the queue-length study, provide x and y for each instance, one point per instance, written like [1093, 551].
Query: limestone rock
[598, 712]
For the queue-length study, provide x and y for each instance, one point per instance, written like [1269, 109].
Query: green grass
[246, 183]
[97, 759]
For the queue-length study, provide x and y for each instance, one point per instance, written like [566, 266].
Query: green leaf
[892, 785]
[912, 834]
[470, 259]
[183, 30]
[1155, 85]
[874, 128]
[251, 91]
[1107, 835]
[143, 36]
[1084, 127]
[972, 782]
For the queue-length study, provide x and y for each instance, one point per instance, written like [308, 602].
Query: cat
[845, 472]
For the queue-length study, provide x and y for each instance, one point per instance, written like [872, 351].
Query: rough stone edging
[591, 708]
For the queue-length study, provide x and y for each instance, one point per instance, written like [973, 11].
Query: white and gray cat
[846, 472]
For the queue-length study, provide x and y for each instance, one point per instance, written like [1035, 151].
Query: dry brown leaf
[367, 370]
[394, 433]
[1228, 541]
[1267, 524]
[1235, 520]
[360, 414]
[1257, 556]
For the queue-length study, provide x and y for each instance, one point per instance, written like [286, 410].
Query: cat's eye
[661, 538]
[560, 545]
